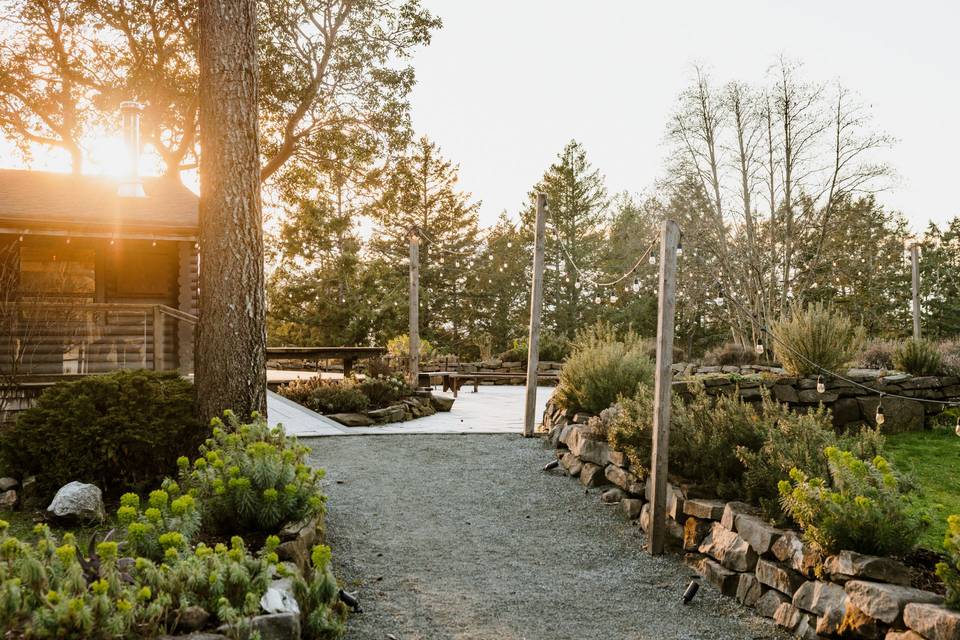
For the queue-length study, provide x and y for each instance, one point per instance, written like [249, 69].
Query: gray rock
[611, 496]
[591, 475]
[272, 626]
[695, 532]
[903, 635]
[885, 602]
[798, 555]
[393, 413]
[850, 565]
[732, 509]
[759, 534]
[589, 450]
[749, 589]
[571, 463]
[631, 507]
[779, 577]
[723, 579]
[77, 500]
[769, 602]
[278, 598]
[617, 458]
[8, 483]
[729, 549]
[195, 636]
[351, 419]
[856, 623]
[8, 500]
[645, 517]
[192, 619]
[622, 478]
[441, 403]
[819, 597]
[901, 415]
[788, 616]
[932, 622]
[704, 508]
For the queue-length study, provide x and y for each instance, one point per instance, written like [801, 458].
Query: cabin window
[145, 274]
[57, 272]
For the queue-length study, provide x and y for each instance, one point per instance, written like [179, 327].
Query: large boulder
[571, 463]
[779, 577]
[932, 622]
[591, 475]
[729, 549]
[351, 419]
[78, 501]
[769, 602]
[725, 580]
[885, 602]
[271, 626]
[704, 509]
[850, 565]
[732, 509]
[749, 589]
[622, 478]
[798, 555]
[8, 483]
[441, 403]
[819, 597]
[631, 507]
[759, 535]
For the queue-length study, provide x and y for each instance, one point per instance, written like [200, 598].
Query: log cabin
[93, 280]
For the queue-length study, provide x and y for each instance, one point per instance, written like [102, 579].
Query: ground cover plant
[602, 367]
[917, 357]
[949, 570]
[858, 507]
[931, 458]
[326, 396]
[120, 431]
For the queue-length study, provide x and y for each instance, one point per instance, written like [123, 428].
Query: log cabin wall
[75, 340]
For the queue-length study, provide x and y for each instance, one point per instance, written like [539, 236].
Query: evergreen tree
[940, 281]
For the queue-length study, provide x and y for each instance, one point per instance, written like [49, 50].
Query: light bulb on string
[758, 349]
[956, 429]
[613, 298]
[576, 285]
[879, 418]
[820, 386]
[652, 260]
[597, 300]
[509, 244]
[636, 285]
[680, 248]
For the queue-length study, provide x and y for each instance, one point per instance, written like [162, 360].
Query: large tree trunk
[231, 336]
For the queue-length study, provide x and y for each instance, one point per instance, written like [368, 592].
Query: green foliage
[816, 335]
[119, 431]
[602, 368]
[949, 571]
[169, 520]
[45, 591]
[383, 391]
[794, 440]
[917, 357]
[730, 354]
[551, 348]
[317, 595]
[399, 347]
[705, 436]
[251, 478]
[326, 396]
[877, 354]
[861, 508]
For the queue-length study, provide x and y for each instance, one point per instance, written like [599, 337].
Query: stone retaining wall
[764, 567]
[849, 404]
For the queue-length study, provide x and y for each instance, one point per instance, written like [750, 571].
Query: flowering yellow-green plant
[251, 477]
[165, 527]
[949, 572]
[861, 508]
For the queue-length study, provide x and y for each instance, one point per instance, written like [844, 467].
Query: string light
[68, 240]
[758, 349]
[509, 244]
[820, 386]
[956, 429]
[613, 298]
[576, 285]
[597, 300]
[636, 285]
[680, 248]
[879, 418]
[21, 238]
[653, 259]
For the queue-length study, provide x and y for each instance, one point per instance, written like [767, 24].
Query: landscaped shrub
[705, 436]
[169, 520]
[949, 571]
[817, 335]
[601, 368]
[950, 357]
[326, 396]
[46, 592]
[730, 354]
[250, 478]
[552, 348]
[877, 354]
[860, 509]
[794, 440]
[399, 347]
[917, 357]
[122, 431]
[383, 391]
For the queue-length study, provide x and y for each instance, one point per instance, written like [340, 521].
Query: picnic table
[348, 355]
[453, 380]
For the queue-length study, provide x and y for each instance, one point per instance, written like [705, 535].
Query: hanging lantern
[879, 418]
[820, 386]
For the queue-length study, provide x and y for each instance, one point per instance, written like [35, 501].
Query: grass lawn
[932, 458]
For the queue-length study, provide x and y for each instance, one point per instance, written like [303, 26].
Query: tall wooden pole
[669, 236]
[915, 263]
[414, 307]
[536, 303]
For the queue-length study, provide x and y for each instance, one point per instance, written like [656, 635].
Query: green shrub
[949, 572]
[383, 391]
[326, 396]
[730, 354]
[251, 478]
[399, 347]
[45, 591]
[917, 357]
[552, 348]
[601, 368]
[817, 335]
[119, 431]
[877, 354]
[705, 436]
[170, 520]
[794, 440]
[861, 508]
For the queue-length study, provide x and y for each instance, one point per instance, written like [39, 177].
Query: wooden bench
[347, 354]
[453, 382]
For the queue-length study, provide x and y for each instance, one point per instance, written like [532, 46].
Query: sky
[505, 84]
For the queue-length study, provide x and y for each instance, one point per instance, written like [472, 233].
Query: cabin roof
[58, 203]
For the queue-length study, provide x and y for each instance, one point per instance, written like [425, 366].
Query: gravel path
[463, 536]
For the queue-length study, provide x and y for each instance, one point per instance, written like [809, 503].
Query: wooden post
[414, 307]
[669, 235]
[915, 260]
[536, 303]
[157, 338]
